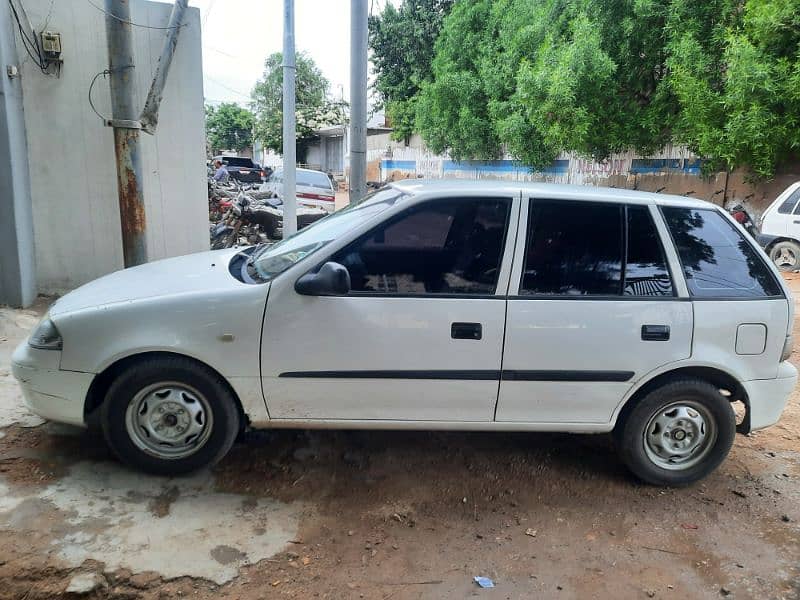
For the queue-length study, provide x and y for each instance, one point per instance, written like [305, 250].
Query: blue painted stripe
[502, 166]
[661, 165]
[405, 165]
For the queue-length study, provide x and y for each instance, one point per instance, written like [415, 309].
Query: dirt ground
[378, 515]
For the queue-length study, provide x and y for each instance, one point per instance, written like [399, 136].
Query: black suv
[242, 169]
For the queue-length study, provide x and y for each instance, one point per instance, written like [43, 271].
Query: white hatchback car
[313, 188]
[780, 229]
[436, 305]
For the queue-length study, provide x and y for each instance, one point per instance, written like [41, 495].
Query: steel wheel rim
[786, 258]
[169, 420]
[679, 435]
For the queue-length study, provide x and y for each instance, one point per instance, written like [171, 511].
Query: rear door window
[717, 259]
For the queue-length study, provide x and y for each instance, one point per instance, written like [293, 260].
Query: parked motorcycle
[744, 219]
[250, 221]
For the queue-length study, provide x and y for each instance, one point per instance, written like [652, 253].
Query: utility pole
[124, 120]
[149, 117]
[358, 100]
[289, 125]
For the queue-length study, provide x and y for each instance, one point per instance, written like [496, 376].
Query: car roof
[556, 191]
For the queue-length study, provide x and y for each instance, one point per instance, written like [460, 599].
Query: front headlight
[45, 336]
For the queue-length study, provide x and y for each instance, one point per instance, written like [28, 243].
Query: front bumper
[49, 392]
[767, 397]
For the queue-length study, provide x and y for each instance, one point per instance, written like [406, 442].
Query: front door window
[441, 247]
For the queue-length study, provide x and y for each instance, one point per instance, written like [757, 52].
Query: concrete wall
[674, 170]
[71, 152]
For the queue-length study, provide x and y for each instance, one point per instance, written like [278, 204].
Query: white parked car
[436, 305]
[313, 188]
[780, 229]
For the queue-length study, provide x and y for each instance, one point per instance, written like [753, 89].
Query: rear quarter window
[718, 261]
[235, 161]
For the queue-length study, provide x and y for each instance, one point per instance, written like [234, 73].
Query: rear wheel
[677, 434]
[169, 416]
[786, 255]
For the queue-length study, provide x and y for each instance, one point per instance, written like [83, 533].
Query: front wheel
[169, 416]
[677, 434]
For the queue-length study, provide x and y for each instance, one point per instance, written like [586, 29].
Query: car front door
[592, 308]
[418, 338]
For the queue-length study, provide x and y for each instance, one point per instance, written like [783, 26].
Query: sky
[239, 34]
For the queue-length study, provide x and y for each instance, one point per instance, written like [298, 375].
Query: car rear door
[420, 335]
[592, 309]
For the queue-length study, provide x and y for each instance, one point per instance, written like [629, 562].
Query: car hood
[204, 271]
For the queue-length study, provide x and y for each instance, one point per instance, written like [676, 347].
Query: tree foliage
[313, 106]
[595, 77]
[401, 40]
[229, 127]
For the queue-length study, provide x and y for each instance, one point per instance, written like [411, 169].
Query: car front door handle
[655, 333]
[466, 331]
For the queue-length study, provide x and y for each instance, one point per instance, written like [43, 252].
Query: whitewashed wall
[71, 153]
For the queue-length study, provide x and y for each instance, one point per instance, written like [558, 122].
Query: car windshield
[275, 259]
[313, 179]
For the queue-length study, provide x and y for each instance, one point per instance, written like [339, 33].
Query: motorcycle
[250, 221]
[744, 219]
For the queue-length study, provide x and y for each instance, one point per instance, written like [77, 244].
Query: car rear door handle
[655, 333]
[466, 331]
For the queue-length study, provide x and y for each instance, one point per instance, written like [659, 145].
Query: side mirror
[332, 279]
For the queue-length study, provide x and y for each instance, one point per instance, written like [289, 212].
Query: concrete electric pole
[358, 100]
[149, 117]
[125, 121]
[289, 125]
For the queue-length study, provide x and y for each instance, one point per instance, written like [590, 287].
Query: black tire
[633, 426]
[785, 255]
[222, 424]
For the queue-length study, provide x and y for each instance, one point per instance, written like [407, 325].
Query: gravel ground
[323, 514]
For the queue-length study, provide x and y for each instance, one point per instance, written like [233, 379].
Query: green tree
[313, 106]
[738, 89]
[601, 76]
[401, 40]
[229, 127]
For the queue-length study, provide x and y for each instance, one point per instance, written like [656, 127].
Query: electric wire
[121, 20]
[30, 45]
[91, 85]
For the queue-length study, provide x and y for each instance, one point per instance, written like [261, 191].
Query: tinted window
[443, 247]
[717, 259]
[788, 205]
[573, 248]
[313, 179]
[646, 272]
